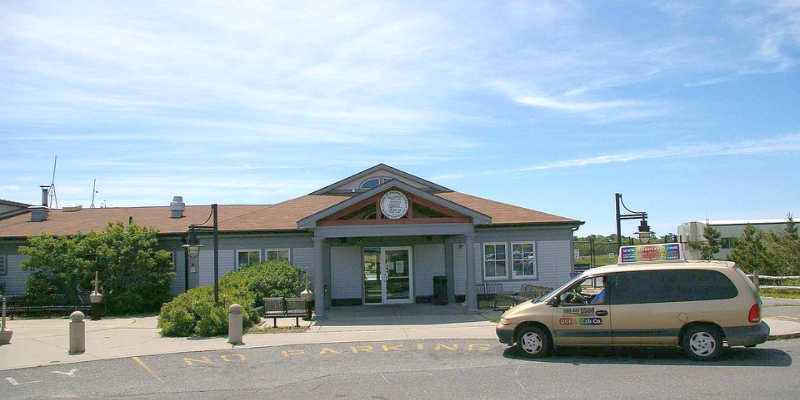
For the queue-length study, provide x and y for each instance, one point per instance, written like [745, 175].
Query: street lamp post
[644, 229]
[193, 247]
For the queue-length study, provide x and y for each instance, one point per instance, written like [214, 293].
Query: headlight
[504, 321]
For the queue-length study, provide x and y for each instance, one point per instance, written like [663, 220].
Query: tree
[134, 275]
[710, 246]
[783, 249]
[750, 252]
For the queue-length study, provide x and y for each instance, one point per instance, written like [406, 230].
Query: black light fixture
[644, 232]
[194, 246]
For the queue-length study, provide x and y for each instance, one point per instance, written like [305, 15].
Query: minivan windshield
[556, 290]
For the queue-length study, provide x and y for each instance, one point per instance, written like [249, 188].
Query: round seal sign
[394, 204]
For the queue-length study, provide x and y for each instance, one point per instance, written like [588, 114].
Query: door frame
[382, 266]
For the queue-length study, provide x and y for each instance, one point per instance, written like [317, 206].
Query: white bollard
[77, 333]
[235, 324]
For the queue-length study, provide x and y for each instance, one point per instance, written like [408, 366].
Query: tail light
[755, 313]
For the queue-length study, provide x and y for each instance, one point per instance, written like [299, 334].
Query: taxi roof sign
[651, 252]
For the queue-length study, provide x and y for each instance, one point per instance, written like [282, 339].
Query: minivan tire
[702, 343]
[533, 342]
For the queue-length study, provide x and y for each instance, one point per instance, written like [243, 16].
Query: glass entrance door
[388, 275]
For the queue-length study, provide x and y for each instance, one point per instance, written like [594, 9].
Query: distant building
[730, 231]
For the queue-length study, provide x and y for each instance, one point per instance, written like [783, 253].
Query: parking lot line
[146, 368]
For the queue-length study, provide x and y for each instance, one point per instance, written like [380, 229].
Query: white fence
[756, 278]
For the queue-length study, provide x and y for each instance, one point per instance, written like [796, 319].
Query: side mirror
[554, 302]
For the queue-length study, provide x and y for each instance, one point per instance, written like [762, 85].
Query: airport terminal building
[377, 237]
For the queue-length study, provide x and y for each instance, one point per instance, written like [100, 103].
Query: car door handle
[601, 313]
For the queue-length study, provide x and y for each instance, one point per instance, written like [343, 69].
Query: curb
[784, 336]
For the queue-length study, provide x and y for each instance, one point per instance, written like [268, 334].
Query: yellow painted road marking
[327, 350]
[146, 368]
[226, 359]
[386, 348]
[454, 348]
[189, 361]
[293, 353]
[365, 349]
[479, 347]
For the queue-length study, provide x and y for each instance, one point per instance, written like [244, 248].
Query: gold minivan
[697, 306]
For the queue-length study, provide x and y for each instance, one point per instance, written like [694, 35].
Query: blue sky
[691, 110]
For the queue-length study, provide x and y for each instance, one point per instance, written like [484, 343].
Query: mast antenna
[53, 195]
[94, 192]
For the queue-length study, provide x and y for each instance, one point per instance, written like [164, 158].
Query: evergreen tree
[710, 246]
[750, 253]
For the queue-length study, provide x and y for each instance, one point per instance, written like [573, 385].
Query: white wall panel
[347, 272]
[428, 262]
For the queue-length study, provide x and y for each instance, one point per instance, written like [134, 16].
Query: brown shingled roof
[505, 214]
[243, 218]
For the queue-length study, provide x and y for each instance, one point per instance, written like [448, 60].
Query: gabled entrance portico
[394, 209]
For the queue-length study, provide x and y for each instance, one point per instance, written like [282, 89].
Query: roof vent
[39, 213]
[177, 206]
[72, 208]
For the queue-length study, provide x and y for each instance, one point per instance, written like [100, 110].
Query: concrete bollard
[235, 324]
[77, 333]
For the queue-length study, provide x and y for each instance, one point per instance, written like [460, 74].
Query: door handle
[601, 313]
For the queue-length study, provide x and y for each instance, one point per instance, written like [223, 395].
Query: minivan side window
[668, 286]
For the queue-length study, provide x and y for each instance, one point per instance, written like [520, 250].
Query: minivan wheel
[702, 343]
[533, 342]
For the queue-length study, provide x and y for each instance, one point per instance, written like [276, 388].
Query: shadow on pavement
[736, 356]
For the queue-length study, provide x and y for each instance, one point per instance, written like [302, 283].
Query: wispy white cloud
[783, 144]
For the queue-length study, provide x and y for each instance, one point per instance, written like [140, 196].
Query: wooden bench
[281, 307]
[59, 303]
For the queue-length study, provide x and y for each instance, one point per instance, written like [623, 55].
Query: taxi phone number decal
[581, 321]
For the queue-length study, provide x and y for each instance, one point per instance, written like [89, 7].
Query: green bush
[271, 279]
[194, 312]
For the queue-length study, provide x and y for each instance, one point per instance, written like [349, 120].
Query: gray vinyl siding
[553, 247]
[554, 261]
[460, 268]
[428, 262]
[206, 265]
[346, 272]
[178, 285]
[15, 280]
[303, 257]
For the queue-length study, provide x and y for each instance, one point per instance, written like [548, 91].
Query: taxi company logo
[580, 321]
[579, 310]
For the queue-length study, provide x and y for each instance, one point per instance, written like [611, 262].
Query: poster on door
[399, 267]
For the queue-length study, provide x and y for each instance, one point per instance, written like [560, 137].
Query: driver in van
[601, 297]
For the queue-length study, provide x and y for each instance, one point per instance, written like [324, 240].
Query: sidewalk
[38, 342]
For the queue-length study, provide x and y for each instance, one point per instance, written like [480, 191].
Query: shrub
[194, 312]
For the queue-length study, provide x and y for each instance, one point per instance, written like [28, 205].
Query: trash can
[440, 290]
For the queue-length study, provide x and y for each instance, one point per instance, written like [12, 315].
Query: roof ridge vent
[177, 207]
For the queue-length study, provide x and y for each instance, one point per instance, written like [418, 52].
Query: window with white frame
[3, 269]
[278, 255]
[247, 257]
[494, 261]
[523, 260]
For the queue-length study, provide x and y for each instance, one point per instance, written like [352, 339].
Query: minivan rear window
[666, 286]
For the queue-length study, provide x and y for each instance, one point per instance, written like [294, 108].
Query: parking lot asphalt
[40, 342]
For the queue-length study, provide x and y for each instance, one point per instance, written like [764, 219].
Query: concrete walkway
[38, 342]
